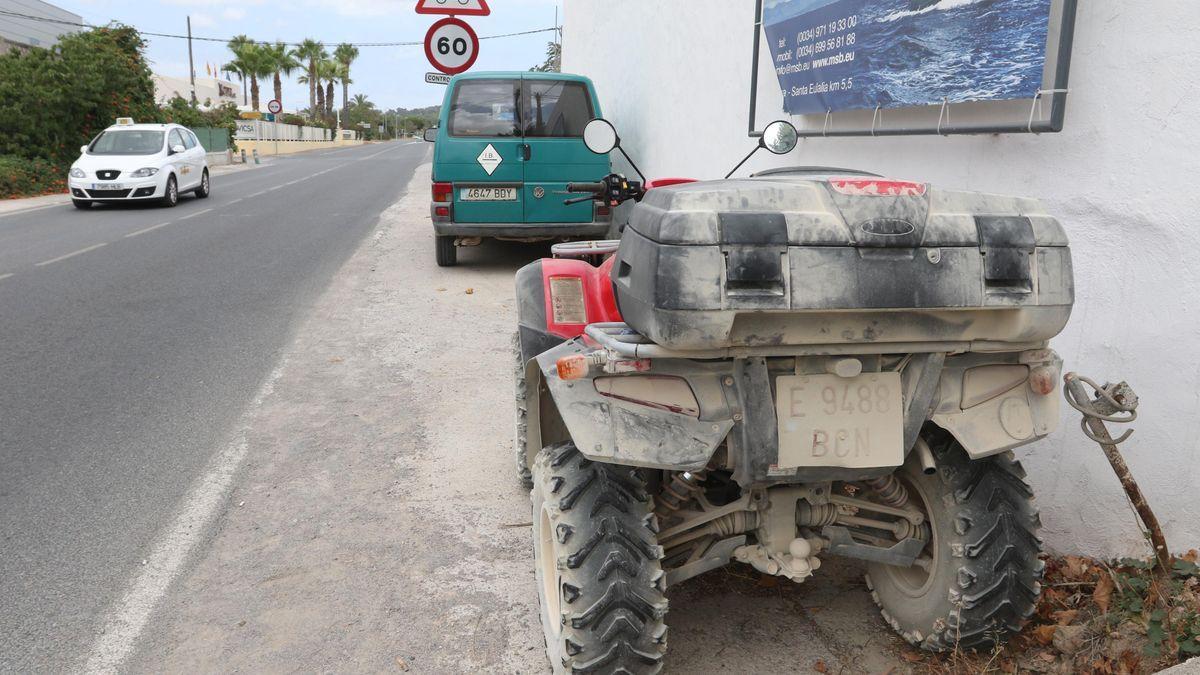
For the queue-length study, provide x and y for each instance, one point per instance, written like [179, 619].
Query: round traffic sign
[451, 46]
[274, 107]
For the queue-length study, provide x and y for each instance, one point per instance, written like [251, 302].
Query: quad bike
[806, 363]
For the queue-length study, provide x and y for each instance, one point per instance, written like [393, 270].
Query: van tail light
[877, 187]
[443, 192]
[602, 211]
[662, 392]
[441, 211]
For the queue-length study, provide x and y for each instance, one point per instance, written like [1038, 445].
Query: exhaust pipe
[925, 455]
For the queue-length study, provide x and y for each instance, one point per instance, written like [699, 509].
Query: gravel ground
[377, 524]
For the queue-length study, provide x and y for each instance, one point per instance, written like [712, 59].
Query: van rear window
[485, 108]
[556, 109]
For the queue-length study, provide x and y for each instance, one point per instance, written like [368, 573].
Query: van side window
[556, 109]
[485, 108]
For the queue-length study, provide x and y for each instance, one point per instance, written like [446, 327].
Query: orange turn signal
[572, 367]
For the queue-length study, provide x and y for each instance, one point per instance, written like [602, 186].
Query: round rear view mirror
[600, 137]
[780, 137]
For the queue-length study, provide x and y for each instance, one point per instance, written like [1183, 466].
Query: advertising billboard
[833, 55]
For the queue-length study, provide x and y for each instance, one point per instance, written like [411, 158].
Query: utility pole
[191, 64]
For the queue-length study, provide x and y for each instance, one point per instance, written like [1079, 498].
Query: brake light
[441, 211]
[443, 192]
[662, 392]
[877, 187]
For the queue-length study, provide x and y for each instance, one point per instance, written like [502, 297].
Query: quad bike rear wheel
[521, 435]
[599, 577]
[979, 578]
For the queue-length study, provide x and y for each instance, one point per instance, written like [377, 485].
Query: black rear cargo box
[814, 260]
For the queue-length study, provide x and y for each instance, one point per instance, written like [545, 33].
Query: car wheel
[171, 196]
[81, 204]
[447, 255]
[205, 188]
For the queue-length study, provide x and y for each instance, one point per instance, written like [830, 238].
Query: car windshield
[127, 142]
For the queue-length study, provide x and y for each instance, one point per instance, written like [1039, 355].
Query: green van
[506, 145]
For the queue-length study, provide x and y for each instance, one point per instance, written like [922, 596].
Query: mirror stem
[635, 169]
[744, 159]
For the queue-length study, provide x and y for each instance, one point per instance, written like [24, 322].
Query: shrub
[20, 177]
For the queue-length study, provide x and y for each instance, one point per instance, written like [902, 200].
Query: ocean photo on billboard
[916, 52]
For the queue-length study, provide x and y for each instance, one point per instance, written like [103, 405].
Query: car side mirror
[431, 135]
[176, 149]
[83, 149]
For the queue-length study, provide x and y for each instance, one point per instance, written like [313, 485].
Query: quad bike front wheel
[978, 580]
[599, 577]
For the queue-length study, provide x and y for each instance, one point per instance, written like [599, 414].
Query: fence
[258, 130]
[214, 139]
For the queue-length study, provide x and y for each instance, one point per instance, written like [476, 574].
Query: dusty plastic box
[819, 260]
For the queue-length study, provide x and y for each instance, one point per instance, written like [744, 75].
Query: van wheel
[599, 576]
[447, 254]
[978, 580]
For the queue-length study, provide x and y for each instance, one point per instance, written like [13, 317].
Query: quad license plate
[488, 194]
[108, 186]
[826, 420]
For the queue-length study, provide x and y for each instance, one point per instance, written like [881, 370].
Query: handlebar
[587, 187]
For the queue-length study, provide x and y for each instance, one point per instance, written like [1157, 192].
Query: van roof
[514, 74]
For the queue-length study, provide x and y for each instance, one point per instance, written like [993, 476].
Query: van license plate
[488, 194]
[826, 420]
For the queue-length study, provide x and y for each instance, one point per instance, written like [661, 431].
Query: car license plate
[108, 186]
[488, 194]
[827, 420]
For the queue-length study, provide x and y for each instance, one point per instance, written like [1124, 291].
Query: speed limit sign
[451, 46]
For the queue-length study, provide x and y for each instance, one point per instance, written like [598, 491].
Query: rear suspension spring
[890, 490]
[679, 489]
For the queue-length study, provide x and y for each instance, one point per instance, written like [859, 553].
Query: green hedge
[21, 177]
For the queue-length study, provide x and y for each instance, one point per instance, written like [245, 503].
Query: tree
[237, 45]
[252, 61]
[282, 63]
[553, 62]
[346, 55]
[312, 53]
[330, 72]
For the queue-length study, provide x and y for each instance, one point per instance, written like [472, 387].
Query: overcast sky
[389, 76]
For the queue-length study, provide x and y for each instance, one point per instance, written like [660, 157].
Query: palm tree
[259, 63]
[312, 53]
[330, 73]
[237, 45]
[282, 62]
[360, 102]
[346, 55]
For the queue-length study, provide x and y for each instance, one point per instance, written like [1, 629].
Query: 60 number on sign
[451, 46]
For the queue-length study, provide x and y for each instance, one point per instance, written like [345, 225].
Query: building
[210, 91]
[23, 33]
[1117, 177]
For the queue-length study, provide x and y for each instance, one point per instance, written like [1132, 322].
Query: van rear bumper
[521, 229]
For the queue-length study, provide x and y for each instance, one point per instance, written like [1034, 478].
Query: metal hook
[828, 114]
[878, 114]
[945, 111]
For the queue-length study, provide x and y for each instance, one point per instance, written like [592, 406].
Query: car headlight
[144, 172]
[77, 173]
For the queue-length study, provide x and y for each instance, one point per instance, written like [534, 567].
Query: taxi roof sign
[124, 121]
[463, 7]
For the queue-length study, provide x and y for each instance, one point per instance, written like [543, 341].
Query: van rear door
[553, 114]
[481, 151]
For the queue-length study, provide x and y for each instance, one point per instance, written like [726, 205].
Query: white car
[137, 162]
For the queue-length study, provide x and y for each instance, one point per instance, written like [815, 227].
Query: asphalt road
[131, 340]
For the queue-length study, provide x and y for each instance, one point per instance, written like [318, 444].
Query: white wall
[673, 76]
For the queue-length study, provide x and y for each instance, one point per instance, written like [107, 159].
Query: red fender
[600, 305]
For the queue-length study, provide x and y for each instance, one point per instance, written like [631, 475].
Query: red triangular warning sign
[461, 7]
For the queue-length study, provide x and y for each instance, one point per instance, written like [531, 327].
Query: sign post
[451, 45]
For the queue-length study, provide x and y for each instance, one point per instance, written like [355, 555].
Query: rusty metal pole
[1111, 401]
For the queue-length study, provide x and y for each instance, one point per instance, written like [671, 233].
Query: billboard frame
[1057, 70]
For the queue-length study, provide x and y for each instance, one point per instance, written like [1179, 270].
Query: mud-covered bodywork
[807, 260]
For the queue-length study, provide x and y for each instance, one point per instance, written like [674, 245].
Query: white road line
[70, 255]
[260, 192]
[234, 201]
[193, 215]
[5, 276]
[148, 229]
[169, 553]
